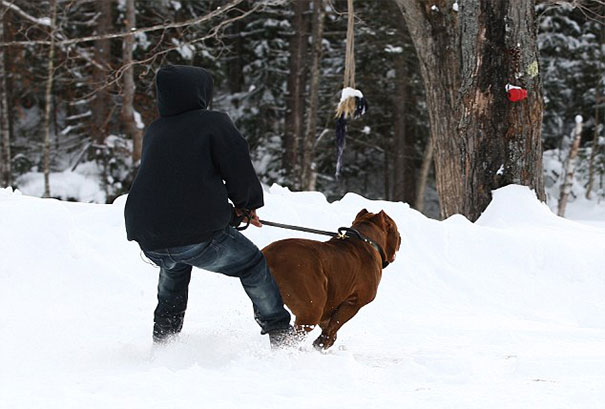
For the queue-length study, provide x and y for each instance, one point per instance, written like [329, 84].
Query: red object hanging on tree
[514, 93]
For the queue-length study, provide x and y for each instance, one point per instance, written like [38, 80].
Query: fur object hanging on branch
[352, 103]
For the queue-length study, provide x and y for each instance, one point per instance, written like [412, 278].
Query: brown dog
[326, 283]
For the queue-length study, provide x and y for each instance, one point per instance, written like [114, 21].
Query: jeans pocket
[156, 258]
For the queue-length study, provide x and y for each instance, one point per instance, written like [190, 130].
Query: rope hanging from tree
[352, 103]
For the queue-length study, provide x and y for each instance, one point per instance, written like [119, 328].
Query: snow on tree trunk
[48, 96]
[481, 140]
[569, 167]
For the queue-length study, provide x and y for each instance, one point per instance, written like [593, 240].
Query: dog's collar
[346, 232]
[372, 243]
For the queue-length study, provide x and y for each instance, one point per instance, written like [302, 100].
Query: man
[193, 161]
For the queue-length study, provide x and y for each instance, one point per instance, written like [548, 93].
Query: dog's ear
[393, 237]
[361, 213]
[383, 220]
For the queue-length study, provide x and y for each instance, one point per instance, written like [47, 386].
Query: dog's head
[385, 224]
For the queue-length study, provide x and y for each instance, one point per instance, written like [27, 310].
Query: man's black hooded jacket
[193, 160]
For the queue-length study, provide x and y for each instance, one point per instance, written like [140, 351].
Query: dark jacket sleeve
[232, 156]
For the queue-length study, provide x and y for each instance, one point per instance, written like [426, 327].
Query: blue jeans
[228, 252]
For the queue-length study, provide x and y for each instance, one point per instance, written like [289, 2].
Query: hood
[182, 88]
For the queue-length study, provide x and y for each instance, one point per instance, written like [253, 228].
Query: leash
[303, 229]
[342, 234]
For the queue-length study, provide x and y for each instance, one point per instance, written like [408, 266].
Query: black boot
[164, 328]
[284, 338]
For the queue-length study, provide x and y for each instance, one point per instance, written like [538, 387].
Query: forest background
[76, 99]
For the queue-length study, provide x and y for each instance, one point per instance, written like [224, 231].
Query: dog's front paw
[323, 342]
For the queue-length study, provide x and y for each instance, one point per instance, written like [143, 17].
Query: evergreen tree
[571, 61]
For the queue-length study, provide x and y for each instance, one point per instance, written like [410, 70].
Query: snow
[66, 185]
[590, 211]
[509, 86]
[187, 51]
[507, 312]
[349, 92]
[68, 129]
[392, 49]
[141, 41]
[455, 6]
[138, 120]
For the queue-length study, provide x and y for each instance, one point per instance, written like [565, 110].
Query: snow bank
[507, 312]
[66, 185]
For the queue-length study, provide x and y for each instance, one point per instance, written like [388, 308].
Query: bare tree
[78, 47]
[569, 167]
[297, 81]
[308, 176]
[235, 68]
[469, 51]
[100, 103]
[425, 167]
[157, 27]
[5, 157]
[128, 118]
[48, 96]
[594, 147]
[404, 166]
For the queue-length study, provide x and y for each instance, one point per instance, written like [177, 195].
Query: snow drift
[507, 312]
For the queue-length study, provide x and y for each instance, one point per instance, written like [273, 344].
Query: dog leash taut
[304, 229]
[246, 215]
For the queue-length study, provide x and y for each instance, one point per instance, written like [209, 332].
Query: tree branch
[118, 73]
[44, 21]
[206, 17]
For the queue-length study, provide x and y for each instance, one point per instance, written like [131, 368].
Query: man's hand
[253, 216]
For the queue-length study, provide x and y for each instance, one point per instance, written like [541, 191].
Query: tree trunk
[297, 81]
[48, 96]
[481, 140]
[569, 168]
[594, 147]
[101, 103]
[427, 160]
[308, 176]
[5, 157]
[128, 119]
[404, 168]
[235, 70]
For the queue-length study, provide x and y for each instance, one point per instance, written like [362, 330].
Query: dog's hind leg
[307, 303]
[342, 314]
[306, 321]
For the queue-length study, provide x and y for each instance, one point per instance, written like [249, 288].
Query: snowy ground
[507, 312]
